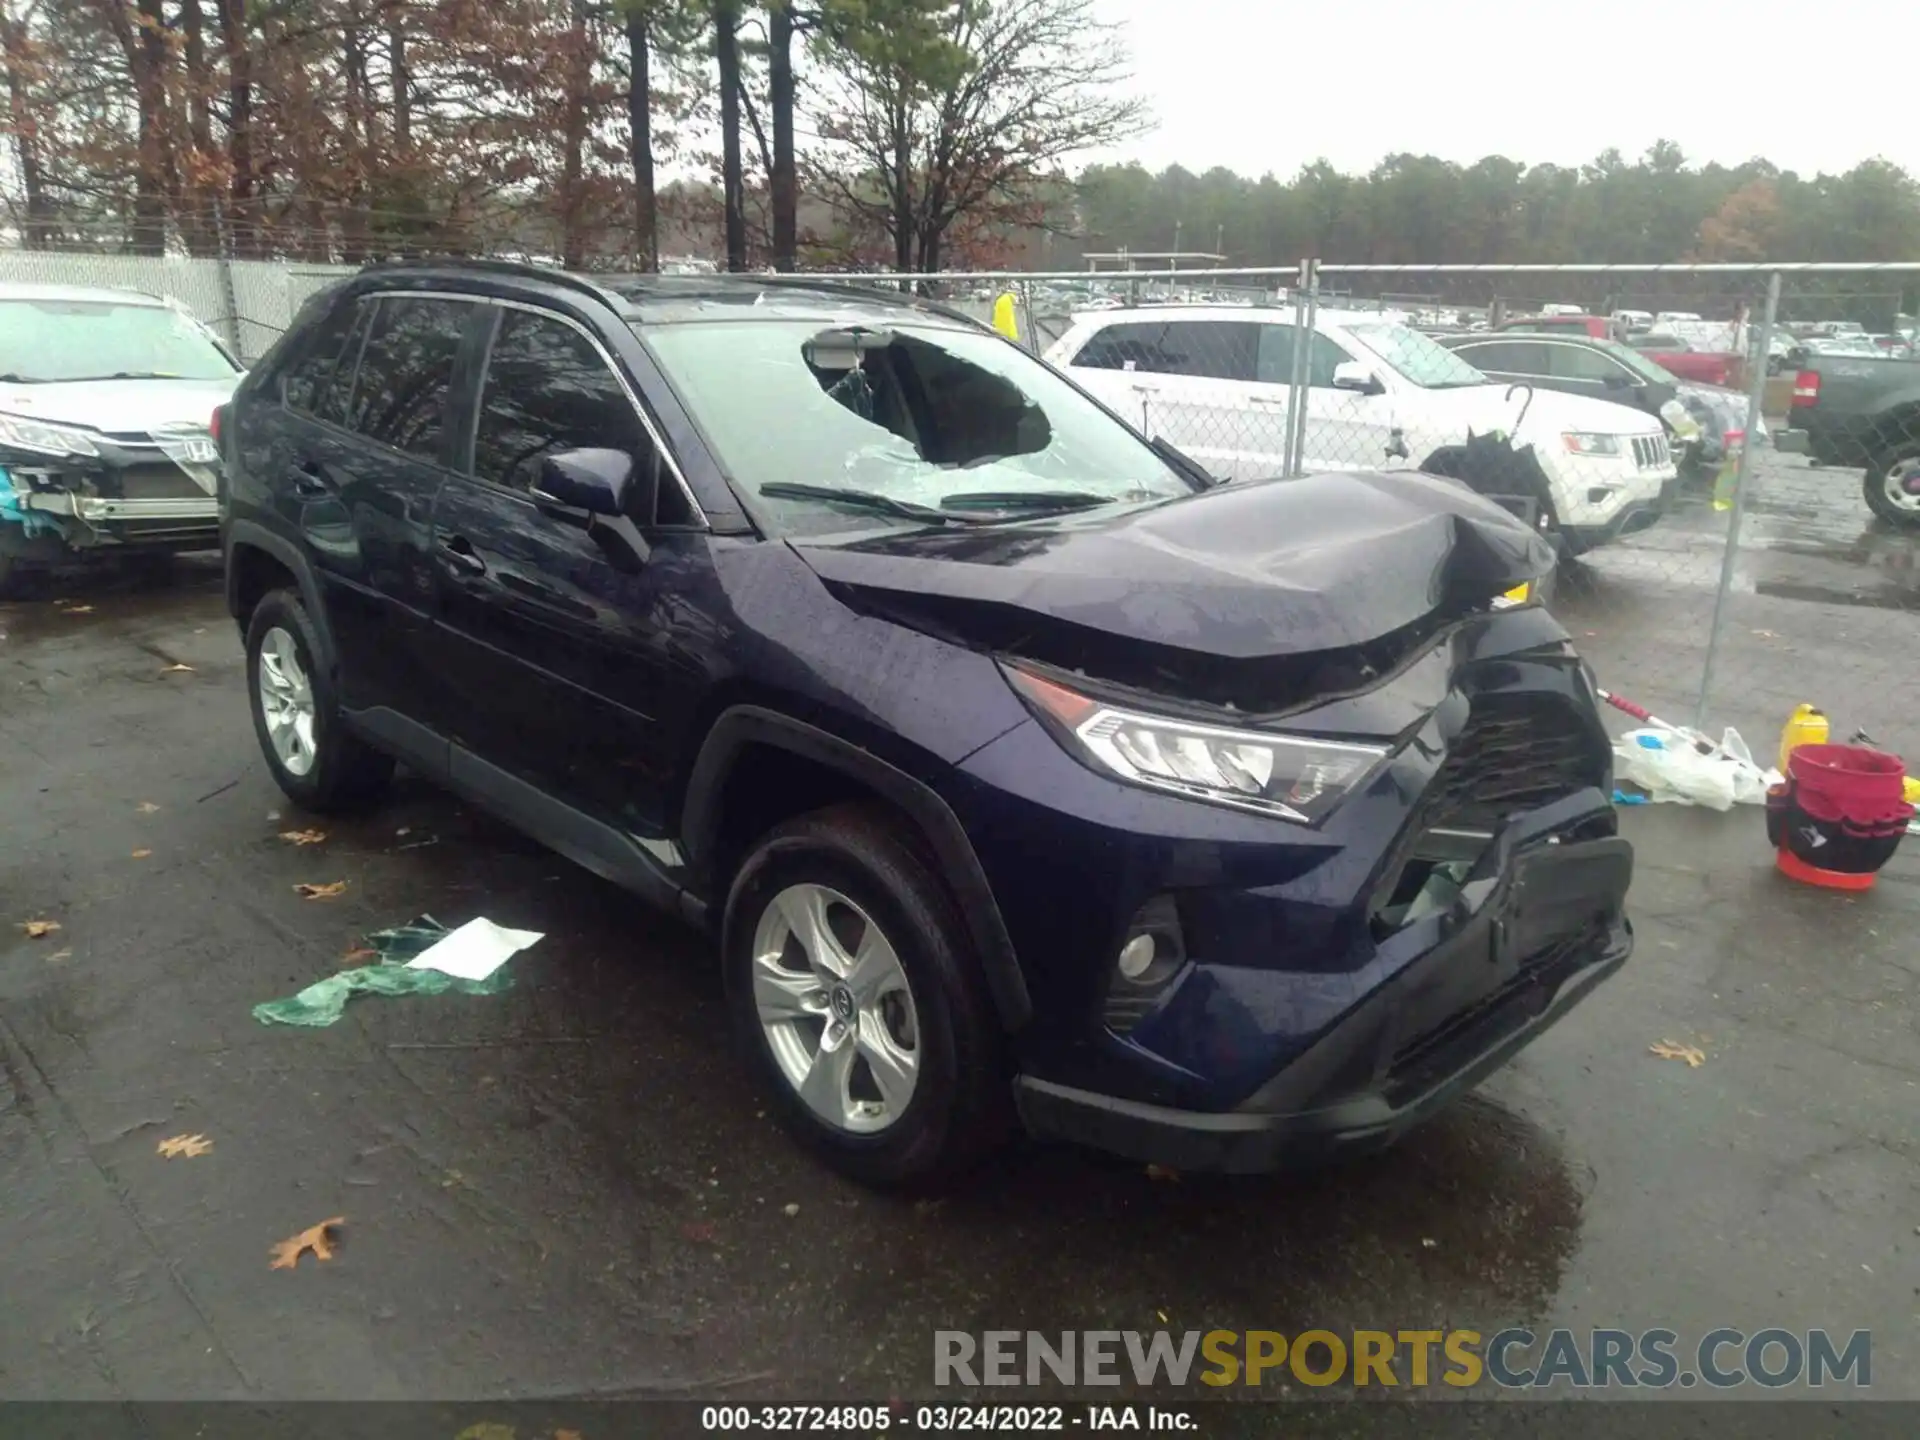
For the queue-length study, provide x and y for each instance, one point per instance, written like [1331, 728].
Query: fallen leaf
[566, 1435]
[147, 807]
[1427, 1242]
[303, 837]
[317, 1238]
[320, 892]
[1161, 1172]
[1163, 1316]
[37, 928]
[176, 667]
[58, 956]
[141, 854]
[790, 1210]
[78, 610]
[188, 1145]
[1670, 1050]
[1766, 635]
[359, 955]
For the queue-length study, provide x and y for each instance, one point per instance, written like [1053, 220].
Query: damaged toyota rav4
[1029, 778]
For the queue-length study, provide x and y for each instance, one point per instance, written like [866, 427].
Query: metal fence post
[1756, 402]
[1296, 373]
[1306, 312]
[229, 298]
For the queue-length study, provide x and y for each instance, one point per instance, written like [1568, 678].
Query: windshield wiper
[1184, 463]
[1029, 499]
[869, 500]
[9, 378]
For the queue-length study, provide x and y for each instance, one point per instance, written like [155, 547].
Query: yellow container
[1806, 726]
[1911, 787]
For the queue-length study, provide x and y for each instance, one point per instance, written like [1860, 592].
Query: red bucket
[1847, 782]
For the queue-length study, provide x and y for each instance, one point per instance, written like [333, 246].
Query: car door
[1209, 402]
[1119, 365]
[366, 454]
[1345, 429]
[554, 644]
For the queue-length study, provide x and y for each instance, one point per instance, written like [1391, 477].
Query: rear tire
[296, 714]
[1882, 488]
[915, 1090]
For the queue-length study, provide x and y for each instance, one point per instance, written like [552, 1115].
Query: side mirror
[599, 482]
[1352, 375]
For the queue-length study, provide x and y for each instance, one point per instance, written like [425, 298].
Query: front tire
[296, 715]
[859, 1004]
[1887, 492]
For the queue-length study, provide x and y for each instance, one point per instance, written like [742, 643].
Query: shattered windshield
[954, 423]
[44, 341]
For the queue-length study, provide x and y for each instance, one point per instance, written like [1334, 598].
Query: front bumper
[1630, 519]
[127, 496]
[1550, 926]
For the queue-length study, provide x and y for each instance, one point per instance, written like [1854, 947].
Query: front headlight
[42, 438]
[1587, 442]
[1291, 777]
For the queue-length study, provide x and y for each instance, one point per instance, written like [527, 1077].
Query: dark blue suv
[1026, 775]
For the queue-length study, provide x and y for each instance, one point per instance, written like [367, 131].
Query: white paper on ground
[474, 951]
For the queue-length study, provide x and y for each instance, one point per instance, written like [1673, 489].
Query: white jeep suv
[1214, 381]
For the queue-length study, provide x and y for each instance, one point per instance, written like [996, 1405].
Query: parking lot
[571, 1190]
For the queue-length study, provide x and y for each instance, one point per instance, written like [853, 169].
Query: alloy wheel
[286, 701]
[836, 1008]
[1902, 484]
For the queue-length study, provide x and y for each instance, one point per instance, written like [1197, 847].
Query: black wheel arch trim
[283, 550]
[745, 725]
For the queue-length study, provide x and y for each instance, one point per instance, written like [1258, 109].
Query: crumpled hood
[1267, 568]
[119, 407]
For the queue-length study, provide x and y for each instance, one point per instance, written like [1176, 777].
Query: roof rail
[526, 271]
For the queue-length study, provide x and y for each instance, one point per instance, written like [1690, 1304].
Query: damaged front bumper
[1540, 925]
[1330, 985]
[158, 493]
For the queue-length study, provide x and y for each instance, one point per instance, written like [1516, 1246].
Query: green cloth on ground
[324, 1001]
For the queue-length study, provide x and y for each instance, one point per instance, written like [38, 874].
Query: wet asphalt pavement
[571, 1190]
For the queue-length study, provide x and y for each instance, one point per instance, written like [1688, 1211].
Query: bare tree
[950, 129]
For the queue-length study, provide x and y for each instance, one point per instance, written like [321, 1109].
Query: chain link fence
[1726, 458]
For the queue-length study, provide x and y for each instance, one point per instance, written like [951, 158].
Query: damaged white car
[105, 402]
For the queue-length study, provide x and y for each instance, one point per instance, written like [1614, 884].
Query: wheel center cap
[841, 1002]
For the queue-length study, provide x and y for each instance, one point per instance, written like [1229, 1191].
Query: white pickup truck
[1214, 381]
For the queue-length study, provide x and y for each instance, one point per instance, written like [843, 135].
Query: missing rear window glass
[951, 411]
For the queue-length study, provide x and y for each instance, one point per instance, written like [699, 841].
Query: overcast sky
[1259, 85]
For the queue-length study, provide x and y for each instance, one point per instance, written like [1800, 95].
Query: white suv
[1213, 380]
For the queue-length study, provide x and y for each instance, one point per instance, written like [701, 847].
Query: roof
[20, 290]
[667, 299]
[1258, 314]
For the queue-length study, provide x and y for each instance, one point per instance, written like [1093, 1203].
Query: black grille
[160, 481]
[1517, 752]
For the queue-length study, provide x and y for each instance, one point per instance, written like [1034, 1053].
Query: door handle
[309, 480]
[460, 554]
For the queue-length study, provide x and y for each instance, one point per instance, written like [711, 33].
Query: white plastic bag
[1671, 768]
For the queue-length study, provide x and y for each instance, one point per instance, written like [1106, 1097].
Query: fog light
[1136, 956]
[1148, 961]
